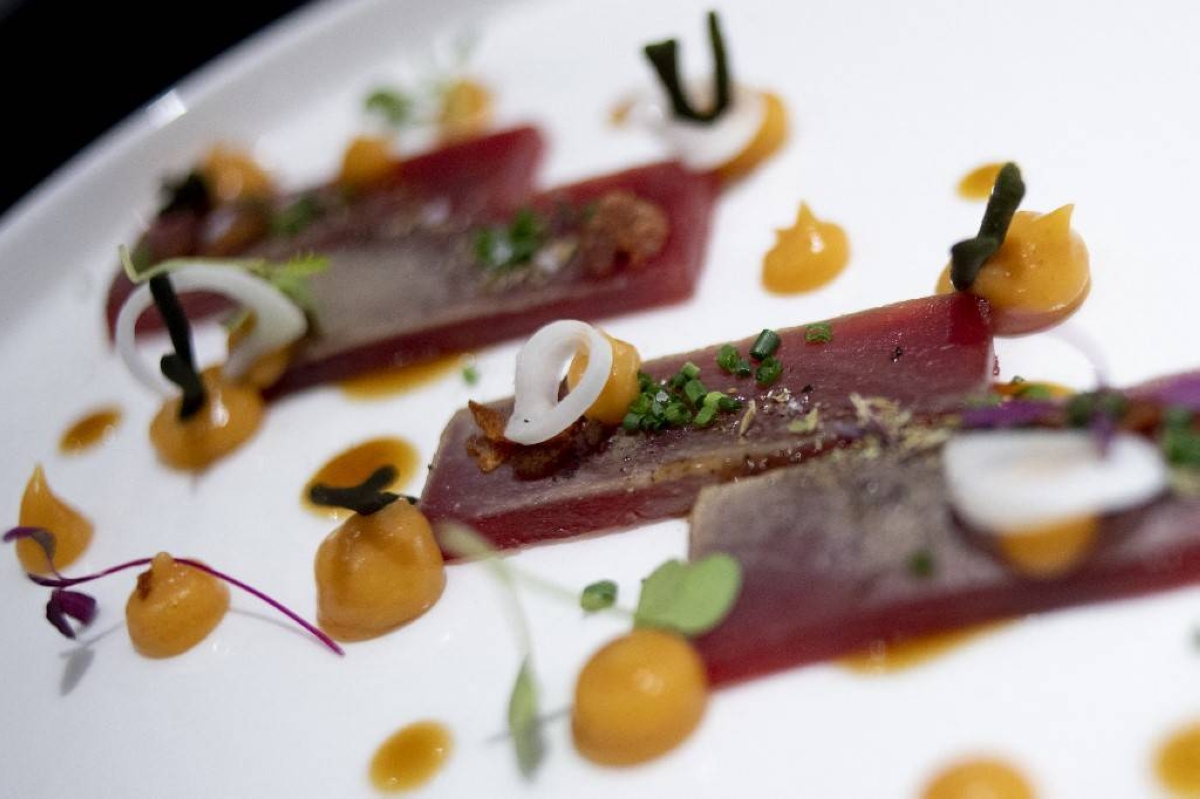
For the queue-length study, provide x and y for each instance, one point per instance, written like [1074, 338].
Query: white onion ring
[704, 145]
[1013, 480]
[277, 320]
[538, 414]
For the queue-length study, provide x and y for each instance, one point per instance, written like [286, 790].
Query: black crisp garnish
[897, 354]
[188, 193]
[665, 58]
[968, 256]
[180, 366]
[365, 498]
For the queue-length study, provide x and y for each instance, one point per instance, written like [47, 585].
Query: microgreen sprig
[664, 56]
[83, 607]
[968, 256]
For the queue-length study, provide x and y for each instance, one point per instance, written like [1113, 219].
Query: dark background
[72, 70]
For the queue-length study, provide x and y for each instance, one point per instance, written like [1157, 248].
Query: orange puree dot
[979, 779]
[232, 174]
[977, 184]
[41, 507]
[1178, 762]
[1038, 277]
[377, 572]
[806, 256]
[1049, 550]
[771, 135]
[231, 414]
[622, 387]
[466, 110]
[174, 607]
[367, 160]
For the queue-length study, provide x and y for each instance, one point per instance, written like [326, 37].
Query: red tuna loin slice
[490, 174]
[927, 353]
[826, 550]
[391, 298]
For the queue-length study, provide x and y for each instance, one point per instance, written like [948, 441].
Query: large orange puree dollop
[1038, 277]
[174, 607]
[377, 572]
[41, 507]
[231, 414]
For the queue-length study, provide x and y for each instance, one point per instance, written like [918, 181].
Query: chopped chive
[818, 333]
[664, 56]
[1034, 391]
[632, 422]
[727, 358]
[690, 370]
[598, 596]
[765, 345]
[296, 216]
[921, 564]
[694, 390]
[394, 107]
[705, 416]
[768, 372]
[470, 374]
[967, 257]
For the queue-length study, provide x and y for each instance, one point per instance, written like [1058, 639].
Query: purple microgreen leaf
[1103, 428]
[1015, 413]
[1178, 391]
[73, 604]
[40, 536]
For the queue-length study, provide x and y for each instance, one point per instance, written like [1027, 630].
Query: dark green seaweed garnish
[968, 256]
[188, 193]
[179, 366]
[665, 58]
[365, 498]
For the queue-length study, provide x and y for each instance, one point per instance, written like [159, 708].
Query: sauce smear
[977, 184]
[396, 380]
[888, 657]
[983, 778]
[411, 756]
[357, 464]
[89, 431]
[1178, 762]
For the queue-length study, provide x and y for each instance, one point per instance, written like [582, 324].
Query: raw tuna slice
[827, 552]
[927, 354]
[411, 289]
[488, 175]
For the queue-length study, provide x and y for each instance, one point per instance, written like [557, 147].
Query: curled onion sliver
[1012, 480]
[538, 414]
[277, 320]
[704, 145]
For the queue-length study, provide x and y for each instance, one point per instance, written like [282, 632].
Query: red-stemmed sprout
[82, 607]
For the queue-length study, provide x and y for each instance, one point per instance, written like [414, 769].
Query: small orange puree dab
[979, 779]
[231, 414]
[638, 697]
[1038, 277]
[977, 184]
[367, 161]
[377, 572]
[621, 388]
[1177, 763]
[771, 135]
[806, 256]
[90, 430]
[233, 174]
[395, 380]
[888, 657]
[356, 464]
[411, 757]
[1049, 550]
[40, 507]
[173, 608]
[466, 110]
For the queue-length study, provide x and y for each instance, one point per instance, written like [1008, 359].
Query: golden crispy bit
[490, 420]
[622, 226]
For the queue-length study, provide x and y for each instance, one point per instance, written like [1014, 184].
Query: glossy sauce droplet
[977, 184]
[89, 431]
[389, 382]
[888, 657]
[1178, 762]
[357, 463]
[411, 757]
[806, 256]
[985, 778]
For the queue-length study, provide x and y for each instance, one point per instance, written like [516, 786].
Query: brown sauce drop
[356, 464]
[1178, 762]
[888, 657]
[982, 778]
[388, 382]
[977, 184]
[411, 756]
[91, 430]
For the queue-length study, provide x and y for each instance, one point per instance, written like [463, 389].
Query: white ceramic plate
[891, 104]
